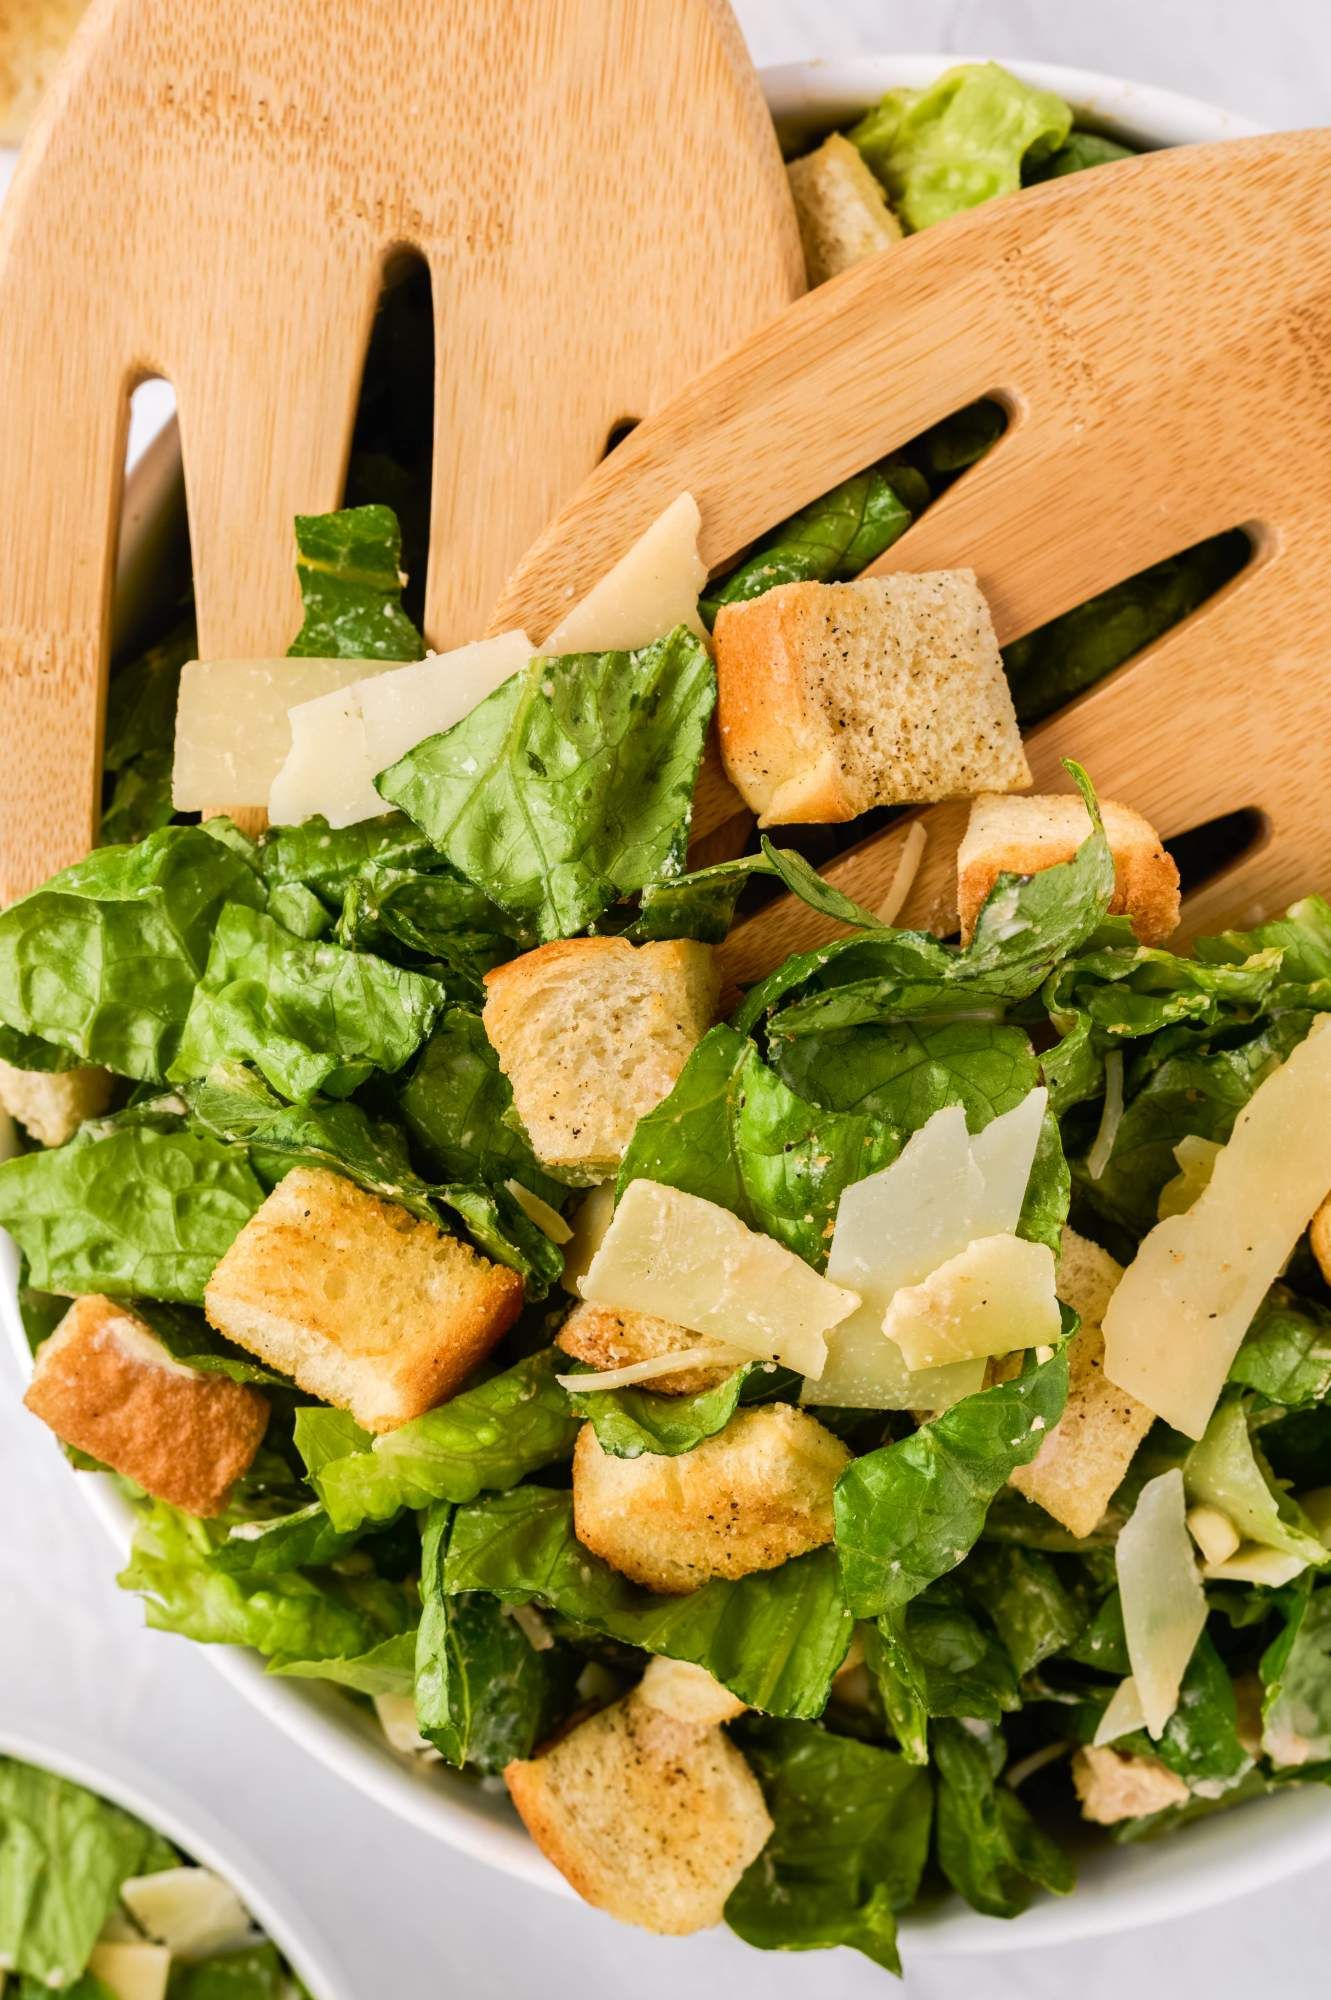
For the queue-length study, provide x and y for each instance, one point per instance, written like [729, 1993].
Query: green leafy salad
[800, 1436]
[97, 1905]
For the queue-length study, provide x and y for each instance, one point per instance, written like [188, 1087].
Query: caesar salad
[815, 1444]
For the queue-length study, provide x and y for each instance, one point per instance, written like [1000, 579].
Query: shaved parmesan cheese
[548, 1220]
[710, 1356]
[402, 708]
[1122, 1715]
[132, 1971]
[1111, 1116]
[1214, 1533]
[896, 1226]
[340, 741]
[1164, 1606]
[189, 1910]
[996, 1297]
[681, 1258]
[1255, 1563]
[1196, 1163]
[232, 732]
[650, 590]
[907, 868]
[397, 1719]
[591, 1219]
[1185, 1302]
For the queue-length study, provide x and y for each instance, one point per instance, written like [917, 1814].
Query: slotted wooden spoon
[1160, 332]
[211, 194]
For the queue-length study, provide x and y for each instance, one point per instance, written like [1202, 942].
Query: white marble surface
[409, 1919]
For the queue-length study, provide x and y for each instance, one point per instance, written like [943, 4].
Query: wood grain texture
[1160, 332]
[211, 194]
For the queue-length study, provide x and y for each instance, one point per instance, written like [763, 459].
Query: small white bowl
[1119, 1887]
[194, 1832]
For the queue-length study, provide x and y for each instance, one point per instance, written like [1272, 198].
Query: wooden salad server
[1160, 334]
[211, 194]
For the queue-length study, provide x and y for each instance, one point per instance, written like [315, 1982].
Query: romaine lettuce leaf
[849, 1842]
[488, 1437]
[458, 1107]
[775, 1637]
[1286, 1352]
[284, 1614]
[732, 1132]
[829, 541]
[256, 1973]
[1033, 1612]
[570, 786]
[137, 1212]
[63, 1856]
[931, 1658]
[104, 958]
[307, 1014]
[631, 1421]
[302, 1539]
[484, 1693]
[328, 860]
[904, 1071]
[1225, 1469]
[1296, 1678]
[989, 1847]
[1081, 149]
[349, 565]
[1200, 1741]
[910, 1512]
[960, 142]
[434, 918]
[386, 1668]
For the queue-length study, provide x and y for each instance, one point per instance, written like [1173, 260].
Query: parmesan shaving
[624, 1377]
[1122, 1715]
[681, 1258]
[189, 1910]
[1164, 1606]
[591, 1219]
[907, 868]
[548, 1220]
[1214, 1533]
[652, 588]
[1196, 1163]
[1254, 1562]
[995, 1298]
[1185, 1302]
[1111, 1116]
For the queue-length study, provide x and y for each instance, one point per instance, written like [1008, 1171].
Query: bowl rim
[1214, 1861]
[188, 1826]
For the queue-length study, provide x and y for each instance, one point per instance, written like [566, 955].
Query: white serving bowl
[194, 1831]
[1119, 1888]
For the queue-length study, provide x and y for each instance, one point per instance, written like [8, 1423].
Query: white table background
[408, 1918]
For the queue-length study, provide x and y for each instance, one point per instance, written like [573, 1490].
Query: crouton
[1112, 1785]
[604, 1338]
[689, 1693]
[650, 1813]
[835, 697]
[105, 1384]
[591, 1034]
[1077, 1469]
[1319, 1236]
[361, 1303]
[50, 1105]
[1022, 836]
[33, 37]
[841, 207]
[757, 1493]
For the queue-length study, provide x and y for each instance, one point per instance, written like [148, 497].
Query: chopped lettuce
[989, 1847]
[631, 1421]
[775, 1637]
[571, 785]
[962, 141]
[349, 565]
[840, 1877]
[458, 1107]
[307, 1014]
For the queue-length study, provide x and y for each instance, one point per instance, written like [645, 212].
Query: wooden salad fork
[1160, 334]
[212, 193]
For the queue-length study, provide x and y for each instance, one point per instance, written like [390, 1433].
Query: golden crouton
[1006, 836]
[648, 1814]
[1113, 1785]
[592, 1033]
[835, 697]
[604, 1338]
[358, 1301]
[841, 208]
[105, 1384]
[757, 1493]
[1081, 1463]
[50, 1105]
[689, 1693]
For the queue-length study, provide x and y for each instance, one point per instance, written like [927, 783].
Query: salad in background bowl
[116, 1889]
[961, 1697]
